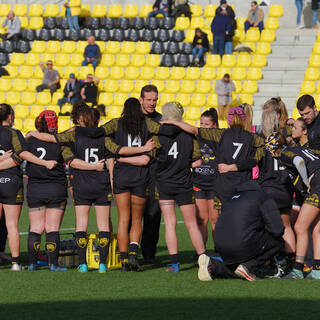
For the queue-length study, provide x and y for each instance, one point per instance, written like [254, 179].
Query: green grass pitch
[152, 294]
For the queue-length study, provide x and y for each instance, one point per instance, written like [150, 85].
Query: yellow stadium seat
[210, 10]
[197, 22]
[71, 69]
[12, 70]
[318, 91]
[177, 73]
[245, 98]
[316, 48]
[56, 96]
[62, 84]
[244, 60]
[145, 10]
[35, 10]
[84, 71]
[153, 60]
[5, 84]
[253, 35]
[193, 113]
[191, 122]
[317, 100]
[55, 108]
[101, 45]
[295, 114]
[267, 36]
[250, 87]
[105, 98]
[59, 69]
[314, 61]
[203, 86]
[139, 84]
[187, 86]
[159, 84]
[63, 124]
[43, 98]
[13, 98]
[213, 60]
[119, 99]
[47, 56]
[238, 73]
[312, 74]
[17, 59]
[33, 83]
[240, 23]
[24, 21]
[26, 72]
[115, 112]
[184, 99]
[4, 9]
[222, 71]
[111, 86]
[172, 86]
[99, 11]
[190, 35]
[19, 85]
[128, 47]
[116, 73]
[81, 45]
[20, 9]
[101, 72]
[21, 111]
[254, 74]
[163, 73]
[263, 48]
[53, 47]
[28, 98]
[182, 23]
[62, 59]
[238, 86]
[259, 61]
[115, 11]
[28, 125]
[126, 86]
[131, 11]
[196, 10]
[142, 47]
[38, 74]
[51, 10]
[2, 98]
[166, 97]
[62, 12]
[35, 110]
[137, 60]
[38, 46]
[307, 87]
[239, 35]
[33, 59]
[85, 10]
[198, 100]
[223, 124]
[276, 10]
[146, 73]
[107, 60]
[113, 47]
[132, 73]
[228, 60]
[122, 60]
[271, 23]
[193, 73]
[68, 47]
[208, 73]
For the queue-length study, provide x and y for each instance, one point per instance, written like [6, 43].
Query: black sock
[124, 257]
[81, 241]
[34, 241]
[53, 247]
[174, 258]
[316, 264]
[15, 260]
[133, 249]
[291, 256]
[298, 266]
[104, 244]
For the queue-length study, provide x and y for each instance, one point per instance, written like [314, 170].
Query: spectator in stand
[220, 27]
[224, 88]
[179, 8]
[160, 7]
[51, 78]
[227, 10]
[255, 17]
[315, 7]
[200, 46]
[14, 27]
[89, 90]
[73, 10]
[71, 91]
[91, 53]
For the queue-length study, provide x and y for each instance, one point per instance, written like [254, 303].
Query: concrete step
[274, 90]
[291, 51]
[284, 77]
[286, 64]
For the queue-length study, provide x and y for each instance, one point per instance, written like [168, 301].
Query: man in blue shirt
[91, 53]
[220, 27]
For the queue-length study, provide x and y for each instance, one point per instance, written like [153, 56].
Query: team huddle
[145, 159]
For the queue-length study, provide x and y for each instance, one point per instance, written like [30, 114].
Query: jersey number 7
[239, 146]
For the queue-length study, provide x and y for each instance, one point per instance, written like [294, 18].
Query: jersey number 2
[174, 151]
[91, 153]
[239, 146]
[43, 152]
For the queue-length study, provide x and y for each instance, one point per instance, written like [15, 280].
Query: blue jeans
[247, 25]
[228, 47]
[94, 63]
[299, 5]
[73, 21]
[314, 15]
[66, 99]
[218, 45]
[159, 11]
[198, 52]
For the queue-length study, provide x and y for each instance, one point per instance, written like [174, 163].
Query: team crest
[36, 246]
[103, 242]
[51, 246]
[82, 242]
[313, 200]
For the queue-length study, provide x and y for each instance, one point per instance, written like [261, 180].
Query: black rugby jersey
[46, 151]
[12, 139]
[314, 134]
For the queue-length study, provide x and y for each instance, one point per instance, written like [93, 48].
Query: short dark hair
[227, 75]
[254, 2]
[148, 88]
[305, 101]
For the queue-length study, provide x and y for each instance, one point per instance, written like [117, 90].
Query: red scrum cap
[50, 117]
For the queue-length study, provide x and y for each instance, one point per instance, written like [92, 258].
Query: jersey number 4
[90, 155]
[174, 151]
[238, 146]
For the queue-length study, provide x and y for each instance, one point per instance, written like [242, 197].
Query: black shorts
[203, 194]
[11, 189]
[50, 195]
[139, 191]
[283, 198]
[181, 198]
[93, 200]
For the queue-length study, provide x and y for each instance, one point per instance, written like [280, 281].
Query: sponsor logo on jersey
[235, 197]
[5, 180]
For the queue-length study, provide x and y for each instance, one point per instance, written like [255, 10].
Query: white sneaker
[16, 267]
[300, 26]
[203, 272]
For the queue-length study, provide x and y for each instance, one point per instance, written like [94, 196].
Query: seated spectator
[160, 7]
[73, 10]
[51, 78]
[220, 27]
[200, 46]
[91, 53]
[14, 27]
[89, 90]
[224, 88]
[179, 8]
[71, 91]
[255, 17]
